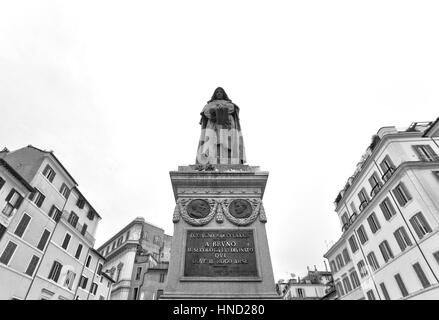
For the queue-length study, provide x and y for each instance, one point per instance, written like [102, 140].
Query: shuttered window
[387, 209]
[37, 197]
[55, 271]
[55, 213]
[373, 222]
[353, 244]
[362, 234]
[339, 289]
[43, 239]
[386, 251]
[22, 225]
[49, 173]
[354, 279]
[73, 219]
[362, 269]
[8, 252]
[2, 230]
[346, 284]
[401, 285]
[66, 241]
[402, 238]
[2, 182]
[78, 251]
[387, 167]
[64, 190]
[370, 295]
[384, 291]
[420, 225]
[32, 265]
[402, 194]
[421, 275]
[373, 262]
[375, 184]
[346, 255]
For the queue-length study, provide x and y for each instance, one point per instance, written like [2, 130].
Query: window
[22, 225]
[346, 255]
[78, 251]
[354, 279]
[362, 234]
[436, 256]
[73, 219]
[43, 240]
[99, 272]
[87, 264]
[8, 252]
[370, 295]
[55, 271]
[157, 240]
[159, 294]
[66, 241]
[101, 298]
[2, 230]
[64, 190]
[354, 210]
[364, 199]
[37, 197]
[80, 203]
[162, 277]
[93, 288]
[402, 195]
[138, 273]
[387, 167]
[387, 209]
[373, 222]
[345, 221]
[128, 235]
[49, 173]
[2, 182]
[426, 153]
[55, 213]
[83, 282]
[401, 285]
[340, 263]
[119, 241]
[84, 229]
[135, 293]
[420, 225]
[70, 277]
[90, 214]
[421, 275]
[384, 290]
[375, 184]
[13, 201]
[119, 270]
[300, 292]
[362, 268]
[347, 285]
[373, 262]
[386, 251]
[339, 289]
[333, 266]
[32, 265]
[402, 238]
[353, 244]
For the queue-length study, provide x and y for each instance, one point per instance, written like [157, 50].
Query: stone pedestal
[219, 247]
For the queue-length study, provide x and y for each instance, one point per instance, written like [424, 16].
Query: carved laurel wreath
[219, 208]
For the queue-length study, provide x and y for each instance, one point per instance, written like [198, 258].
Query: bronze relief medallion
[240, 208]
[198, 208]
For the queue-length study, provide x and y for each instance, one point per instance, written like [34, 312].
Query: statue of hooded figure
[221, 139]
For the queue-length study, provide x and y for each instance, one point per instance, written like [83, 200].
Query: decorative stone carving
[176, 216]
[194, 220]
[262, 216]
[240, 208]
[254, 203]
[219, 214]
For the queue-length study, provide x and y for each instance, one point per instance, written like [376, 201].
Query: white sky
[116, 88]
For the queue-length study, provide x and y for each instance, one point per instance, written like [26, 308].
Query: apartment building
[137, 258]
[389, 218]
[48, 230]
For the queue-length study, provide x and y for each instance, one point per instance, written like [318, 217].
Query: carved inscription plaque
[220, 253]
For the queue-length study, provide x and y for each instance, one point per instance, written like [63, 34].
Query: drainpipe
[48, 244]
[408, 227]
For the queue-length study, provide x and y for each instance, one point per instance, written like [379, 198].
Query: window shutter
[398, 196]
[46, 169]
[416, 227]
[419, 153]
[399, 239]
[431, 152]
[19, 201]
[41, 200]
[2, 182]
[406, 192]
[424, 222]
[32, 195]
[10, 194]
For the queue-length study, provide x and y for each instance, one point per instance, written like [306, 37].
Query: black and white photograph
[243, 152]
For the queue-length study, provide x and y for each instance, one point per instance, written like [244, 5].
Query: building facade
[137, 259]
[389, 216]
[314, 286]
[48, 231]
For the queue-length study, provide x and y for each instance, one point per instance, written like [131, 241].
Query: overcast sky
[115, 88]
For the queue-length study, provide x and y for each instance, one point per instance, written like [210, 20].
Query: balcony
[78, 227]
[363, 205]
[386, 176]
[375, 190]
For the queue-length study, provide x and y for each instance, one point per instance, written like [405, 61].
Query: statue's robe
[221, 138]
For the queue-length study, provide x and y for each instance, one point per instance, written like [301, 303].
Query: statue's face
[219, 94]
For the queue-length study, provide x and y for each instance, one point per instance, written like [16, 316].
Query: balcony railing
[386, 176]
[375, 190]
[78, 227]
[363, 205]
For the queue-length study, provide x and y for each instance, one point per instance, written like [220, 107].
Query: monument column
[219, 246]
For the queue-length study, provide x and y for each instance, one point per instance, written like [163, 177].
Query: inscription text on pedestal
[220, 253]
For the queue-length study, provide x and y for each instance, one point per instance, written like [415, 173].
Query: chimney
[326, 267]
